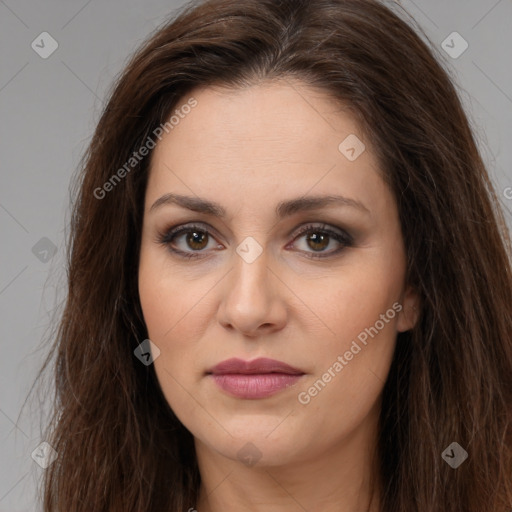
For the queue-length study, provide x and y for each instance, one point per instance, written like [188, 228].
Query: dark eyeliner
[343, 238]
[167, 236]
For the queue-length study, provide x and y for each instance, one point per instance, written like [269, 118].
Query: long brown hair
[120, 446]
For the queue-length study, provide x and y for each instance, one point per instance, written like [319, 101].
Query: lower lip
[254, 385]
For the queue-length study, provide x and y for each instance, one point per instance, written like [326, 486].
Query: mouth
[255, 379]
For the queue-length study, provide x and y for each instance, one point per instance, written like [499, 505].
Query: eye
[193, 237]
[319, 238]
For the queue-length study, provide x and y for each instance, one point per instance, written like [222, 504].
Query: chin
[256, 443]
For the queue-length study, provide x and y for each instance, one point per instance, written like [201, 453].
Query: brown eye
[192, 241]
[318, 241]
[187, 241]
[196, 239]
[319, 238]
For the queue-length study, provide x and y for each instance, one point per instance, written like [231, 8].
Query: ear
[409, 314]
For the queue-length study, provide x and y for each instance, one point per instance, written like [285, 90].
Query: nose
[252, 298]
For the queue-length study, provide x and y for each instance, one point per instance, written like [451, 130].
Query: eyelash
[167, 237]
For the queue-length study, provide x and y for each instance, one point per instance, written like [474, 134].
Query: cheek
[360, 306]
[176, 311]
[352, 364]
[167, 313]
[353, 299]
[167, 298]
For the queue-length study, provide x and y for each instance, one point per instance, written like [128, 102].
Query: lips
[261, 365]
[255, 379]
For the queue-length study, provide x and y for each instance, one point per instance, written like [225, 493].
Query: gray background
[48, 110]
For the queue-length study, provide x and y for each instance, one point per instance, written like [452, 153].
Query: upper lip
[260, 365]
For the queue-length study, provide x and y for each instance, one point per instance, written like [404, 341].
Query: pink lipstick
[255, 379]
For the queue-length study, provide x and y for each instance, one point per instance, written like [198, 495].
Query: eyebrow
[283, 209]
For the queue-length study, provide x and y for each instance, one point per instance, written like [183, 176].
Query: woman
[289, 278]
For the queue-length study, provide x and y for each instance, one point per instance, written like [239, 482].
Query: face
[271, 270]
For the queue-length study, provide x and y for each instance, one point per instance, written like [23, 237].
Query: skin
[247, 150]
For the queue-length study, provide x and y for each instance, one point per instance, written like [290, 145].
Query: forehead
[270, 140]
[271, 116]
